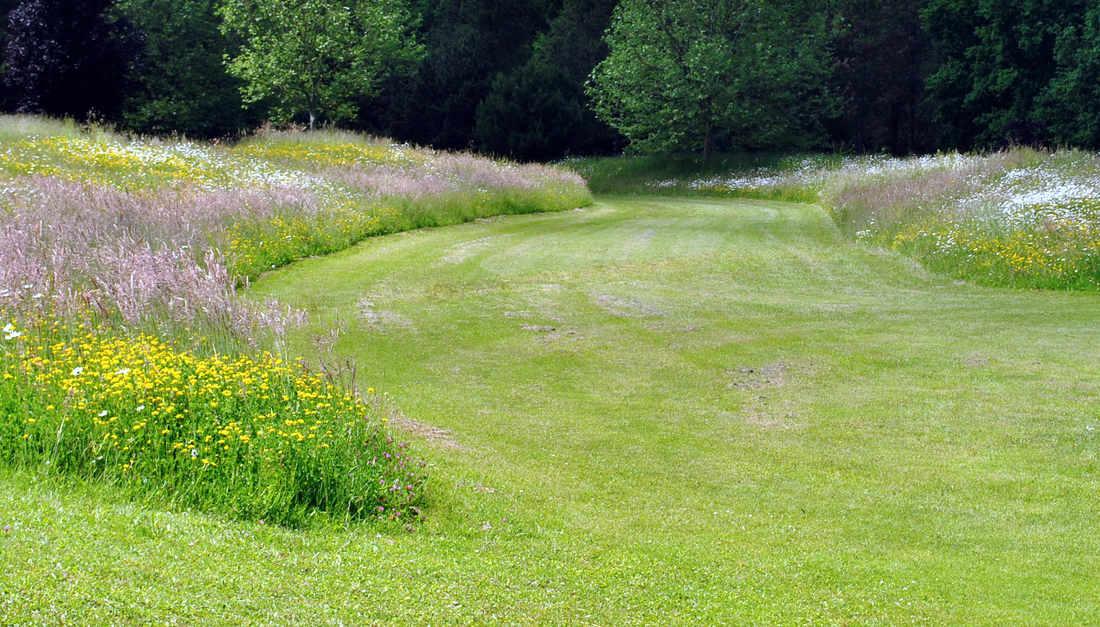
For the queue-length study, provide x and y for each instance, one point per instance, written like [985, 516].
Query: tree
[1069, 105]
[995, 60]
[468, 42]
[317, 57]
[68, 57]
[180, 83]
[539, 109]
[696, 74]
[6, 7]
[882, 59]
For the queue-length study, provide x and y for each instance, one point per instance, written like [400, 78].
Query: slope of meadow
[126, 353]
[650, 411]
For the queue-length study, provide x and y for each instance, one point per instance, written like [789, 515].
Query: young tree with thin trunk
[317, 58]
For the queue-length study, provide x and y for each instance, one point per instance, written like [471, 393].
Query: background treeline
[517, 78]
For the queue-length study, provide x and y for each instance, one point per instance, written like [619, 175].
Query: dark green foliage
[706, 74]
[1069, 106]
[673, 174]
[509, 77]
[316, 59]
[881, 52]
[539, 110]
[997, 61]
[5, 95]
[182, 83]
[468, 42]
[68, 57]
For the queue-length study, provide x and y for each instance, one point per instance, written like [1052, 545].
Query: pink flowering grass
[79, 249]
[127, 354]
[167, 232]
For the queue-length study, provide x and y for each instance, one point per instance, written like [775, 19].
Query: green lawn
[650, 409]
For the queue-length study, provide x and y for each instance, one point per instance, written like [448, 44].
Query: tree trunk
[312, 120]
[707, 146]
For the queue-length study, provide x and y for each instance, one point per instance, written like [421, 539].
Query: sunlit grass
[324, 149]
[1021, 217]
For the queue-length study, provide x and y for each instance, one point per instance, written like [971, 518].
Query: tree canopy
[315, 57]
[68, 57]
[542, 79]
[691, 74]
[181, 82]
[539, 110]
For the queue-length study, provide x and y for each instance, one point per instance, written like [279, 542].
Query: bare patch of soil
[764, 413]
[548, 333]
[621, 307]
[465, 250]
[769, 376]
[539, 328]
[976, 360]
[431, 433]
[397, 419]
[381, 319]
[437, 435]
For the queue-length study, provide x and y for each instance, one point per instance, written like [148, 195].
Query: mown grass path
[652, 409]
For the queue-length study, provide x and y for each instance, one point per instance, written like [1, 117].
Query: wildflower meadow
[581, 312]
[127, 354]
[1019, 217]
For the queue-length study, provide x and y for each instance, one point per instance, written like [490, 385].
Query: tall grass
[126, 354]
[140, 228]
[250, 436]
[768, 175]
